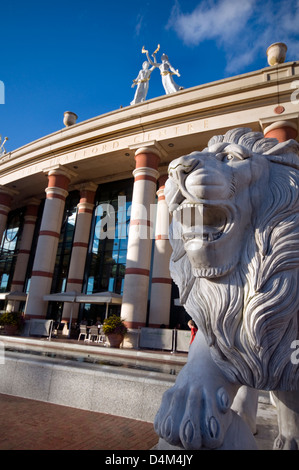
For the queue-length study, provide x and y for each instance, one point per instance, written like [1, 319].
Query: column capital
[32, 206]
[60, 170]
[32, 201]
[281, 130]
[58, 181]
[151, 146]
[8, 191]
[87, 192]
[162, 180]
[87, 186]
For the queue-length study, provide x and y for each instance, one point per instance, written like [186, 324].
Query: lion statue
[235, 260]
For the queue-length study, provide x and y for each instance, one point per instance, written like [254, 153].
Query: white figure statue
[2, 149]
[142, 82]
[238, 278]
[166, 70]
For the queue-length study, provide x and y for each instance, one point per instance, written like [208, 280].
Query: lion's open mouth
[201, 222]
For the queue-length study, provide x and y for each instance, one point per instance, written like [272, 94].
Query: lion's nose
[183, 166]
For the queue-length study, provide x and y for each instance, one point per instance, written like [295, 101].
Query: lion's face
[208, 194]
[235, 255]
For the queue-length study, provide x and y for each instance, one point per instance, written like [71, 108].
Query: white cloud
[139, 24]
[241, 28]
[211, 20]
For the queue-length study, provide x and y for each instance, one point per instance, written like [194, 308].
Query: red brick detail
[32, 210]
[29, 222]
[86, 211]
[58, 181]
[24, 252]
[52, 195]
[282, 133]
[139, 271]
[87, 196]
[149, 160]
[5, 199]
[17, 283]
[147, 223]
[49, 233]
[80, 244]
[279, 110]
[146, 178]
[162, 180]
[161, 280]
[161, 237]
[42, 274]
[74, 281]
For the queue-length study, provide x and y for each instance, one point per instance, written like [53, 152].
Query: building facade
[83, 209]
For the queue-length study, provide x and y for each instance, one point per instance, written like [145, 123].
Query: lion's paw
[194, 417]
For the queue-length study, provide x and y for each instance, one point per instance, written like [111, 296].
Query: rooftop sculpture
[237, 275]
[142, 80]
[2, 149]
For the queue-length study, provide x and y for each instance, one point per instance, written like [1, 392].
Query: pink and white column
[24, 251]
[161, 279]
[44, 261]
[80, 246]
[136, 283]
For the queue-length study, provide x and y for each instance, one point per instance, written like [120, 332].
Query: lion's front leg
[195, 413]
[287, 405]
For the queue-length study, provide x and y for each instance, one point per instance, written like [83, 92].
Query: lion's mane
[250, 318]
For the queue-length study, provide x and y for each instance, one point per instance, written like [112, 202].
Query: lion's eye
[227, 157]
[232, 157]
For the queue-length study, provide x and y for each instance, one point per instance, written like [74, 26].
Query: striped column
[6, 196]
[24, 251]
[161, 279]
[136, 283]
[43, 266]
[80, 246]
[281, 130]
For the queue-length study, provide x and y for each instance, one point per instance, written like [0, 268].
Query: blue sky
[82, 56]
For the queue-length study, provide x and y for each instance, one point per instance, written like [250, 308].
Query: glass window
[106, 263]
[64, 250]
[9, 248]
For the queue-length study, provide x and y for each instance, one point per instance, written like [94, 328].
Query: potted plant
[11, 322]
[115, 329]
